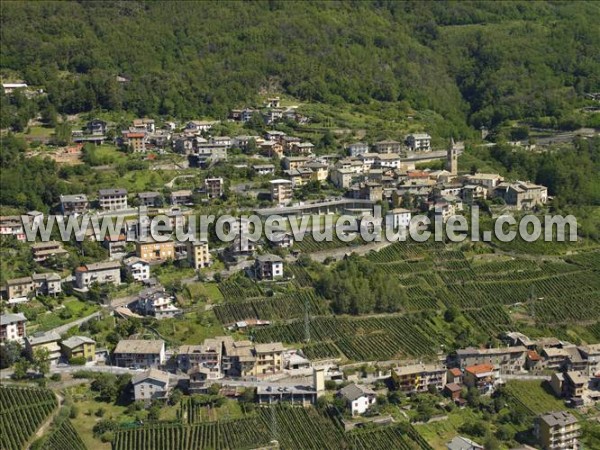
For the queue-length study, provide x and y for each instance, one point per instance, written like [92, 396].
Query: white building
[101, 273]
[112, 199]
[268, 267]
[13, 327]
[139, 353]
[419, 142]
[281, 191]
[398, 218]
[137, 268]
[358, 398]
[150, 385]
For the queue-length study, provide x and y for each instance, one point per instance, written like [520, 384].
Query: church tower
[452, 158]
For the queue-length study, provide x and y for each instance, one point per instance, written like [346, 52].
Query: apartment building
[239, 358]
[47, 341]
[181, 197]
[418, 378]
[387, 146]
[509, 360]
[79, 347]
[153, 251]
[198, 254]
[43, 250]
[268, 267]
[74, 205]
[557, 431]
[419, 142]
[483, 377]
[112, 199]
[152, 384]
[269, 358]
[214, 187]
[281, 191]
[357, 149]
[47, 283]
[19, 289]
[13, 327]
[139, 353]
[137, 268]
[101, 273]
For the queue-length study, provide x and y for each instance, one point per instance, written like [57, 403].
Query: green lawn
[534, 396]
[192, 328]
[76, 308]
[437, 434]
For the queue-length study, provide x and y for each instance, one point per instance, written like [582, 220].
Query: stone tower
[452, 158]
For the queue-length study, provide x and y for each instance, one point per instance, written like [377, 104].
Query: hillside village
[290, 176]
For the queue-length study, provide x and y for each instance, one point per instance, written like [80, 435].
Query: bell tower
[452, 158]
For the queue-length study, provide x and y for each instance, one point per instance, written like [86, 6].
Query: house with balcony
[139, 353]
[483, 377]
[41, 251]
[101, 273]
[558, 430]
[112, 199]
[418, 378]
[156, 302]
[137, 268]
[269, 358]
[79, 347]
[152, 384]
[358, 398]
[74, 205]
[13, 327]
[268, 267]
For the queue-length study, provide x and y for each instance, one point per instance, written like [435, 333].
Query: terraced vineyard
[64, 437]
[284, 307]
[238, 288]
[364, 339]
[296, 428]
[22, 412]
[293, 427]
[403, 437]
[321, 350]
[309, 245]
[223, 435]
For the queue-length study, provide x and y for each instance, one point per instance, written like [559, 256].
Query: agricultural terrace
[491, 291]
[292, 427]
[22, 412]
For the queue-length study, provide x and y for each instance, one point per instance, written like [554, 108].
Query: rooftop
[355, 391]
[117, 191]
[269, 348]
[7, 319]
[558, 418]
[76, 341]
[139, 346]
[153, 374]
[480, 369]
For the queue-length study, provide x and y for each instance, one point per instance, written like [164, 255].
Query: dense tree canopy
[481, 61]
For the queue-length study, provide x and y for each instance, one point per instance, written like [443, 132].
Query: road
[64, 328]
[526, 377]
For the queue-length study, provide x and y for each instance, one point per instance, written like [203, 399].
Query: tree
[9, 353]
[21, 368]
[41, 360]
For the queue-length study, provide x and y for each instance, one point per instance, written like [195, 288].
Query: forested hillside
[474, 63]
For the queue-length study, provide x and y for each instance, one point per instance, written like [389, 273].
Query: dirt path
[44, 427]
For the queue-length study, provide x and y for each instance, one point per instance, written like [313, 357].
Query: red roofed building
[533, 360]
[455, 376]
[482, 376]
[137, 141]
